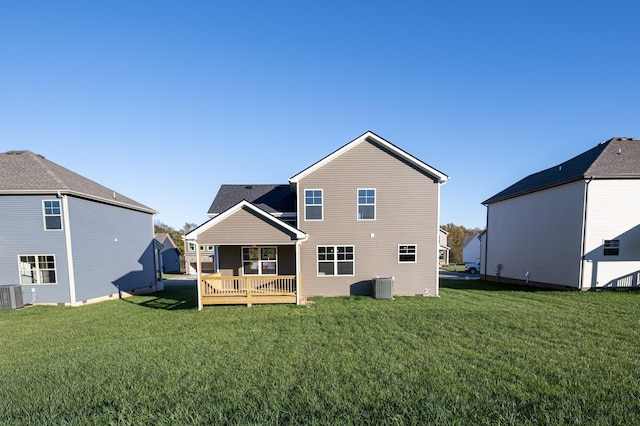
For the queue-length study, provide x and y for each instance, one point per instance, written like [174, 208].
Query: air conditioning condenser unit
[11, 297]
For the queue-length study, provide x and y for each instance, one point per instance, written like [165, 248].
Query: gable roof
[23, 172]
[166, 240]
[270, 198]
[371, 137]
[615, 158]
[193, 235]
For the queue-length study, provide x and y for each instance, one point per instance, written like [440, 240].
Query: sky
[164, 101]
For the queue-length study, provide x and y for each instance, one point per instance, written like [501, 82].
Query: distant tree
[458, 235]
[176, 236]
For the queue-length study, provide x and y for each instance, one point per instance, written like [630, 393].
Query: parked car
[472, 267]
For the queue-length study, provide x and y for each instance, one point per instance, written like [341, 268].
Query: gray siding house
[368, 209]
[575, 225]
[68, 240]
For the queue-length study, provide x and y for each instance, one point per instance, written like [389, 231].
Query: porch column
[298, 274]
[199, 269]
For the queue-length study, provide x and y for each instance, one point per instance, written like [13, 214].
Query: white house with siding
[67, 240]
[575, 225]
[471, 249]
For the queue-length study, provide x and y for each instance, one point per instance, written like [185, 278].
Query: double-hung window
[611, 247]
[52, 214]
[366, 204]
[407, 253]
[260, 260]
[313, 204]
[37, 269]
[336, 260]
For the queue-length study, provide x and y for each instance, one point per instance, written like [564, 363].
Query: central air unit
[11, 297]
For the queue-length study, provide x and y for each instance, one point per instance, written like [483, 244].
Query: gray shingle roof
[616, 158]
[23, 172]
[270, 198]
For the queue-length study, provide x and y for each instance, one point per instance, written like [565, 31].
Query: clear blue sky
[164, 101]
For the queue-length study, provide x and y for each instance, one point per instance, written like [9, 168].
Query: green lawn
[480, 354]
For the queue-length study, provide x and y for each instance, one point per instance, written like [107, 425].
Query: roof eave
[117, 203]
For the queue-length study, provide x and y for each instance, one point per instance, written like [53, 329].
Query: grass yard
[486, 354]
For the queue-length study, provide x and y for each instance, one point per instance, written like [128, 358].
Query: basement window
[611, 247]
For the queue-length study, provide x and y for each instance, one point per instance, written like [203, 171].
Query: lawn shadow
[488, 286]
[169, 299]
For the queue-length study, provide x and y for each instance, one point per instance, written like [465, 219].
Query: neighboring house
[170, 254]
[444, 249]
[471, 249]
[368, 209]
[68, 240]
[574, 225]
[191, 258]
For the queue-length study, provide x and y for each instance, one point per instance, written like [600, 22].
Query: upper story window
[611, 247]
[313, 204]
[37, 269]
[52, 214]
[191, 247]
[407, 253]
[366, 204]
[259, 260]
[208, 248]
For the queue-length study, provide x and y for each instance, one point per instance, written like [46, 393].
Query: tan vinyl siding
[406, 213]
[246, 227]
[540, 233]
[613, 214]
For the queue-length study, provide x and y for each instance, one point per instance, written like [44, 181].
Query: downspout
[67, 237]
[484, 262]
[584, 232]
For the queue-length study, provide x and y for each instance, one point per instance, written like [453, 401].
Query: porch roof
[245, 223]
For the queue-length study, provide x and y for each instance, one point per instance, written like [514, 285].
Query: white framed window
[611, 247]
[37, 269]
[52, 214]
[191, 247]
[336, 260]
[259, 260]
[207, 248]
[313, 204]
[366, 204]
[407, 253]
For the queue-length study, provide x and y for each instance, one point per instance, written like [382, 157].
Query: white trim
[304, 204]
[199, 270]
[375, 200]
[57, 192]
[45, 215]
[259, 274]
[335, 260]
[37, 269]
[415, 253]
[193, 235]
[372, 137]
[67, 237]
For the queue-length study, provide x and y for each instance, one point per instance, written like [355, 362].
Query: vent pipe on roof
[559, 168]
[619, 151]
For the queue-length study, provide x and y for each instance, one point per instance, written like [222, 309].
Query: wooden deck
[248, 290]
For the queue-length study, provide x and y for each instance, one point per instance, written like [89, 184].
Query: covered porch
[256, 258]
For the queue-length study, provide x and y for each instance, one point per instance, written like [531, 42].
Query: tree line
[176, 235]
[458, 235]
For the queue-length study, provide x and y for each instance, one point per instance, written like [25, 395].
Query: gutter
[584, 233]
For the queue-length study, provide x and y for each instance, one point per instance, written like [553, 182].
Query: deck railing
[217, 290]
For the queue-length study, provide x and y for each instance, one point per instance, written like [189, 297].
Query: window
[366, 204]
[336, 260]
[313, 204]
[259, 260]
[206, 248]
[37, 269]
[407, 253]
[52, 214]
[611, 247]
[191, 247]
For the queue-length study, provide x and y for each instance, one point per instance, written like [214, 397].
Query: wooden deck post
[248, 291]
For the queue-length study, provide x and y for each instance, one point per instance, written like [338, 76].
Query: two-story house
[68, 240]
[368, 209]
